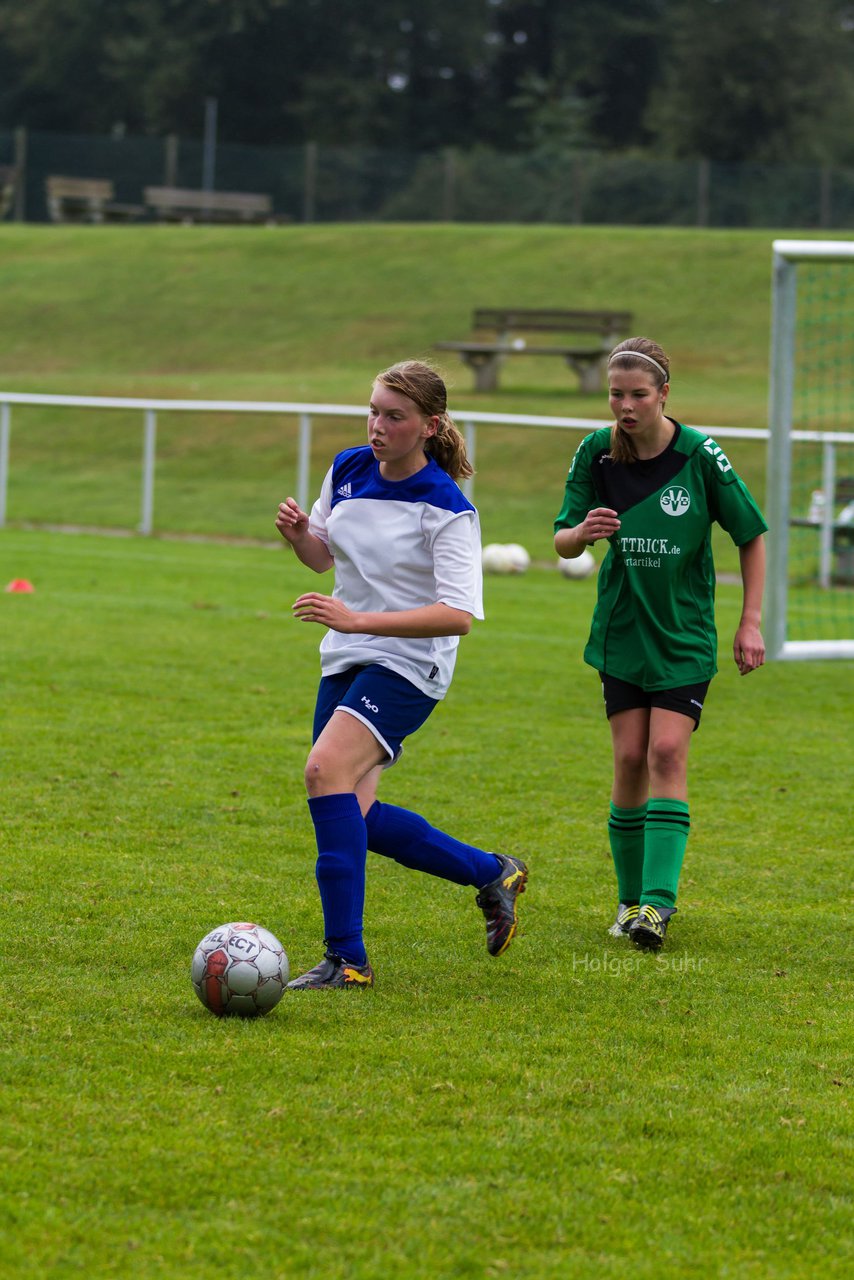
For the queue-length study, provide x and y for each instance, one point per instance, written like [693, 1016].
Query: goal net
[810, 499]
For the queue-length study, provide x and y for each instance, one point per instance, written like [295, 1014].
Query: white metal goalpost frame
[787, 254]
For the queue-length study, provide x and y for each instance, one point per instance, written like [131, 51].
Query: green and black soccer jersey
[654, 623]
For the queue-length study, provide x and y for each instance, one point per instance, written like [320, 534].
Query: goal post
[810, 467]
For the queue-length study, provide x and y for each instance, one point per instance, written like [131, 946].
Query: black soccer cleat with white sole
[497, 901]
[334, 972]
[627, 913]
[648, 929]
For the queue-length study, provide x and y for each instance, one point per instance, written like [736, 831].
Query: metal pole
[825, 214]
[304, 460]
[5, 417]
[703, 170]
[470, 433]
[449, 184]
[209, 157]
[309, 195]
[577, 190]
[170, 160]
[828, 484]
[20, 174]
[148, 448]
[784, 300]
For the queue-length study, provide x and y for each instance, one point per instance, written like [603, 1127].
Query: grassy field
[311, 314]
[572, 1109]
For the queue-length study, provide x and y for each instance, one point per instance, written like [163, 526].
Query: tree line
[766, 81]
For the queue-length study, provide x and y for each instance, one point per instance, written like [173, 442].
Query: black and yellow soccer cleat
[626, 913]
[648, 929]
[334, 972]
[497, 901]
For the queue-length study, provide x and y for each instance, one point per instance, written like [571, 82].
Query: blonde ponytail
[421, 383]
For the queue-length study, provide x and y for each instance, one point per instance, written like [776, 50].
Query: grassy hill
[288, 312]
[311, 313]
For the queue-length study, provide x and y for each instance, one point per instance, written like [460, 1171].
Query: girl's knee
[667, 757]
[319, 774]
[630, 760]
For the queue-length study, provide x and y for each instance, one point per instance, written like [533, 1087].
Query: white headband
[640, 355]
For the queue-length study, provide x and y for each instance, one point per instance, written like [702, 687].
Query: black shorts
[621, 696]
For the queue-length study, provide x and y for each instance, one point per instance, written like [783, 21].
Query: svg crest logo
[675, 500]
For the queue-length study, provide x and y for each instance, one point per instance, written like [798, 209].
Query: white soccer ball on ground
[518, 557]
[495, 558]
[239, 969]
[579, 566]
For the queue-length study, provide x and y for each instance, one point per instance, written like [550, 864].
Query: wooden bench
[181, 204]
[836, 536]
[86, 200]
[507, 328]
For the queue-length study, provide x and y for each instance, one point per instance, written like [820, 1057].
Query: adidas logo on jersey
[344, 491]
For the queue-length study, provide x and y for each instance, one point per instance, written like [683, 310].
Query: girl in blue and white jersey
[404, 544]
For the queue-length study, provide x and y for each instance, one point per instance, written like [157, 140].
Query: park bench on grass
[87, 200]
[181, 204]
[503, 331]
[840, 534]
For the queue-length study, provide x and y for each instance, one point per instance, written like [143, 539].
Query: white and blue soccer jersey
[398, 545]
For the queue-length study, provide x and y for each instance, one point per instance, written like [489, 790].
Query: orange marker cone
[20, 584]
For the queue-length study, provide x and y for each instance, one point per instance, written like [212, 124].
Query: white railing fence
[306, 414]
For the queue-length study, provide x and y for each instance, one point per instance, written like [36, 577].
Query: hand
[327, 610]
[601, 522]
[291, 521]
[748, 648]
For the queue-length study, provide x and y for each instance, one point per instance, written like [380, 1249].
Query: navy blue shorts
[621, 696]
[387, 703]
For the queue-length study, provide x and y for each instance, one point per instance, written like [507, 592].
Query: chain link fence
[311, 183]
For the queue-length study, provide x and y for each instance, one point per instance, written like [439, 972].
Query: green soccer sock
[626, 835]
[665, 838]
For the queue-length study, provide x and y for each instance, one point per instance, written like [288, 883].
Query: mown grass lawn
[572, 1109]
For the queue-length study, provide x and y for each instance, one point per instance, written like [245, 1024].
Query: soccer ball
[495, 558]
[499, 557]
[517, 556]
[579, 567]
[239, 969]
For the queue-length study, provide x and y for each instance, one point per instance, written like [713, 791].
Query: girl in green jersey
[653, 488]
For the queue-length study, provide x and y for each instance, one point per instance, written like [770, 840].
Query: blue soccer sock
[411, 841]
[339, 829]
